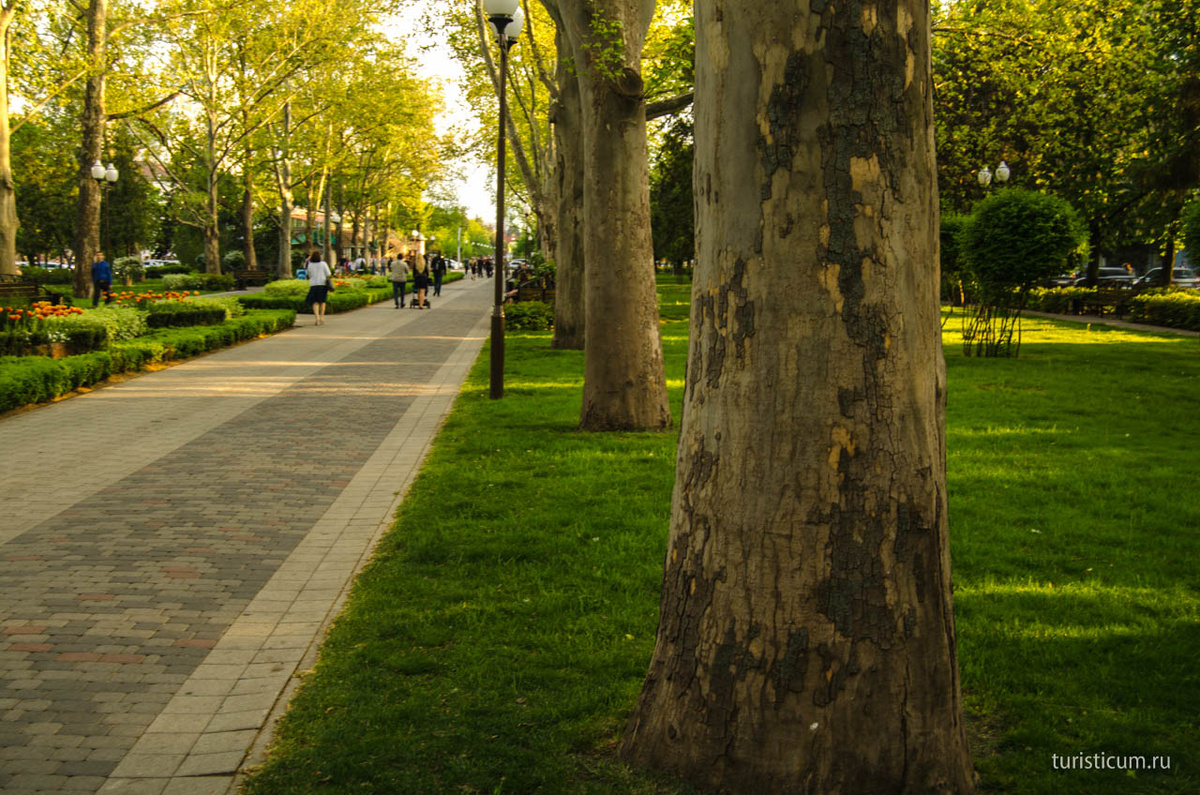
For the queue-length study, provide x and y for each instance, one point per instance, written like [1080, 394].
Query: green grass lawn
[497, 642]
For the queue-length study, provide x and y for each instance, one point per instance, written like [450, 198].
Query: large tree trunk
[248, 212]
[8, 190]
[624, 383]
[569, 310]
[807, 640]
[283, 172]
[87, 207]
[212, 214]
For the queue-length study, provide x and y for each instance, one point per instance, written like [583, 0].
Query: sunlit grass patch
[499, 638]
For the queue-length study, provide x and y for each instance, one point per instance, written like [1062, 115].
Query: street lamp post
[105, 177]
[1002, 174]
[507, 18]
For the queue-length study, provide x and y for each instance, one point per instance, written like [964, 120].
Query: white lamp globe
[513, 29]
[111, 173]
[501, 8]
[97, 170]
[1002, 172]
[985, 176]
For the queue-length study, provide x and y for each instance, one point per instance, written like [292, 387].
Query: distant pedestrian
[439, 273]
[319, 277]
[101, 280]
[420, 281]
[489, 267]
[398, 277]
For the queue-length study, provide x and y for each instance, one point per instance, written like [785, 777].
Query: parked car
[152, 263]
[1107, 276]
[1182, 277]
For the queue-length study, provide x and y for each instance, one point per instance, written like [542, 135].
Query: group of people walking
[427, 270]
[480, 268]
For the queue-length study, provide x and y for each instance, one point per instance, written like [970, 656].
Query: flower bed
[35, 379]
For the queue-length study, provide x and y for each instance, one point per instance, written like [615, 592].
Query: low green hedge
[529, 316]
[1174, 309]
[217, 282]
[158, 271]
[35, 379]
[339, 300]
[175, 314]
[32, 273]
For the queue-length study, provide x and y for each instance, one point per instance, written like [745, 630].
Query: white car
[154, 263]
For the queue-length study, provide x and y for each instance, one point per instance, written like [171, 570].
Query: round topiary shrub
[1014, 240]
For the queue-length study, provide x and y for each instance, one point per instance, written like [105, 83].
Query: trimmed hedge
[174, 314]
[36, 379]
[1172, 309]
[342, 300]
[529, 316]
[158, 271]
[217, 282]
[290, 294]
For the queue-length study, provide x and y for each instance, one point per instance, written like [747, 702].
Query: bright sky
[475, 191]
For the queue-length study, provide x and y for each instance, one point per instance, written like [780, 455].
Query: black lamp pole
[497, 381]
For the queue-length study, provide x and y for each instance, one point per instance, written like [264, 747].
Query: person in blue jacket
[101, 279]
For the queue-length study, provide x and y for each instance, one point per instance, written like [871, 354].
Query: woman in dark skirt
[318, 286]
[420, 280]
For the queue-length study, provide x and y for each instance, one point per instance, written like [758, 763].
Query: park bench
[539, 288]
[246, 278]
[28, 291]
[1105, 303]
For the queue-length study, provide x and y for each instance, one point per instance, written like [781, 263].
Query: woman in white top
[318, 285]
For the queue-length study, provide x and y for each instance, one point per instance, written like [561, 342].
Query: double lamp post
[507, 18]
[105, 177]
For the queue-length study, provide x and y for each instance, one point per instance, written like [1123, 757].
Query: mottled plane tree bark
[807, 638]
[624, 381]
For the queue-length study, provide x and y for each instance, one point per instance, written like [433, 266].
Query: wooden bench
[28, 291]
[539, 288]
[246, 278]
[1102, 304]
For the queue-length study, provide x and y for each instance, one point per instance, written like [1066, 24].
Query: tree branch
[146, 109]
[665, 107]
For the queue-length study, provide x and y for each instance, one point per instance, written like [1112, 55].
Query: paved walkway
[1115, 323]
[171, 548]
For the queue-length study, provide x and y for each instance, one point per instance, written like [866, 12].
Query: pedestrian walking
[439, 273]
[101, 280]
[398, 277]
[420, 282]
[319, 278]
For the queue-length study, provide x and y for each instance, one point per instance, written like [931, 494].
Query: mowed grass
[1075, 535]
[497, 642]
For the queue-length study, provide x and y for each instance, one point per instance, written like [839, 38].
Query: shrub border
[25, 380]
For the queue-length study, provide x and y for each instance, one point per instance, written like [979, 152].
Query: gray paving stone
[137, 584]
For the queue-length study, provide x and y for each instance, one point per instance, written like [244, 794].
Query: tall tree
[807, 640]
[624, 382]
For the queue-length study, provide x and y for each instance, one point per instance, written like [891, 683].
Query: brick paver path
[171, 547]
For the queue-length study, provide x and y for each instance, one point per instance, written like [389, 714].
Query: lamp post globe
[501, 8]
[1002, 172]
[111, 173]
[985, 176]
[512, 31]
[98, 170]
